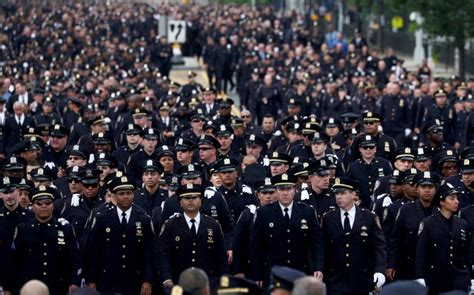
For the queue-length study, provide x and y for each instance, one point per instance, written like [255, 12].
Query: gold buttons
[44, 273]
[124, 236]
[347, 245]
[287, 230]
[123, 266]
[194, 252]
[45, 263]
[347, 254]
[288, 261]
[347, 265]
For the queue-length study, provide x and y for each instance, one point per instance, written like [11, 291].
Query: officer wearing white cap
[191, 239]
[44, 248]
[353, 267]
[286, 233]
[121, 245]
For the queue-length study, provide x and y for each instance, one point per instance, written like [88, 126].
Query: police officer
[318, 194]
[446, 115]
[355, 246]
[191, 239]
[466, 186]
[286, 233]
[150, 195]
[55, 152]
[444, 246]
[133, 136]
[266, 193]
[77, 207]
[402, 161]
[120, 252]
[385, 144]
[44, 248]
[136, 161]
[368, 169]
[404, 238]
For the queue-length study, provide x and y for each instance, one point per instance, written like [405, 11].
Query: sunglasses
[370, 147]
[93, 185]
[205, 148]
[75, 180]
[133, 134]
[246, 116]
[369, 123]
[450, 167]
[197, 121]
[57, 136]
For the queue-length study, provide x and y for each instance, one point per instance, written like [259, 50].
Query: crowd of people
[339, 164]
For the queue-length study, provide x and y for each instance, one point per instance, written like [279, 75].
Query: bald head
[309, 286]
[34, 287]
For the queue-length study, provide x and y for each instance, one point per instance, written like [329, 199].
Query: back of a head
[405, 288]
[195, 281]
[34, 287]
[309, 286]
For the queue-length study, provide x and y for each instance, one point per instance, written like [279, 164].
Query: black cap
[294, 127]
[77, 151]
[408, 176]
[42, 193]
[404, 287]
[9, 184]
[366, 140]
[102, 138]
[350, 133]
[283, 277]
[121, 183]
[74, 172]
[446, 156]
[233, 285]
[58, 130]
[292, 103]
[209, 90]
[223, 130]
[349, 118]
[440, 92]
[404, 154]
[426, 177]
[265, 186]
[226, 165]
[152, 165]
[188, 190]
[467, 166]
[319, 137]
[209, 140]
[280, 158]
[138, 113]
[332, 122]
[422, 154]
[225, 102]
[344, 183]
[151, 133]
[319, 167]
[13, 163]
[444, 191]
[372, 117]
[133, 129]
[210, 125]
[432, 126]
[107, 159]
[284, 180]
[184, 144]
[42, 174]
[254, 140]
[190, 171]
[90, 176]
[98, 120]
[396, 177]
[24, 146]
[198, 114]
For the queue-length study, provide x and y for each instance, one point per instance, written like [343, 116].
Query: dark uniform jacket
[178, 249]
[322, 202]
[352, 259]
[442, 253]
[297, 244]
[120, 258]
[147, 201]
[238, 198]
[404, 238]
[47, 252]
[241, 246]
[468, 215]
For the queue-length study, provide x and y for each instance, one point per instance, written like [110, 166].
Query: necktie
[18, 120]
[286, 215]
[193, 228]
[347, 224]
[124, 220]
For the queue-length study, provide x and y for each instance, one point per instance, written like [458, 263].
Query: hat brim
[191, 175]
[227, 169]
[90, 180]
[467, 170]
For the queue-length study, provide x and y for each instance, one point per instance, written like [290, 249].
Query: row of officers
[123, 248]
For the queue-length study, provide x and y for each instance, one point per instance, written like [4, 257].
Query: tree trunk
[462, 60]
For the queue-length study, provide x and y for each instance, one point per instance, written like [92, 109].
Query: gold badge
[402, 103]
[363, 227]
[60, 233]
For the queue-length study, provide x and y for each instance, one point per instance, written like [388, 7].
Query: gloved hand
[379, 279]
[421, 282]
[75, 200]
[407, 131]
[63, 221]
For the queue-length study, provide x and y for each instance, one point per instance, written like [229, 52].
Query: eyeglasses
[57, 136]
[133, 134]
[75, 180]
[41, 204]
[370, 147]
[197, 121]
[93, 185]
[369, 123]
[205, 148]
[245, 116]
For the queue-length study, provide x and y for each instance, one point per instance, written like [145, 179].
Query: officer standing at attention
[191, 239]
[120, 252]
[442, 253]
[355, 246]
[286, 233]
[44, 249]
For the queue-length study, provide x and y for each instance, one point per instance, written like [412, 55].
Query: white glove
[421, 282]
[246, 189]
[63, 221]
[386, 202]
[407, 132]
[75, 200]
[304, 195]
[379, 279]
[209, 193]
[472, 285]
